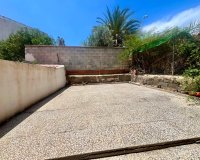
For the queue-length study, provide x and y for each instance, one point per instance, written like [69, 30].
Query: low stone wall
[159, 81]
[85, 79]
[79, 60]
[22, 85]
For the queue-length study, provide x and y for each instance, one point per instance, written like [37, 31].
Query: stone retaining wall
[159, 81]
[85, 79]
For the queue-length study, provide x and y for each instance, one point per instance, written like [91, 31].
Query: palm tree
[120, 23]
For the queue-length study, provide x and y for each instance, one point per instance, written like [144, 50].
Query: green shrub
[101, 37]
[191, 84]
[14, 47]
[192, 72]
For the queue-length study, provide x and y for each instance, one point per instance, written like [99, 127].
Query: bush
[191, 51]
[14, 47]
[192, 72]
[101, 37]
[191, 84]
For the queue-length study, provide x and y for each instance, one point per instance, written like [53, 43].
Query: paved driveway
[90, 118]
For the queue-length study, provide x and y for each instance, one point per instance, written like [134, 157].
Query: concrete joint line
[129, 150]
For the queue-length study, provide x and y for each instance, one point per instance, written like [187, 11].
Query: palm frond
[119, 21]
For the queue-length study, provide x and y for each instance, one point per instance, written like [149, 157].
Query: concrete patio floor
[83, 119]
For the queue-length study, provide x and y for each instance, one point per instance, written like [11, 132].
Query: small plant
[190, 84]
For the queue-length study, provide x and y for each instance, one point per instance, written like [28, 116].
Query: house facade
[8, 26]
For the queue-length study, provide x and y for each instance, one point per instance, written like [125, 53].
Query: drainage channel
[129, 150]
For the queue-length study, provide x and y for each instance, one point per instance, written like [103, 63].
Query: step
[108, 78]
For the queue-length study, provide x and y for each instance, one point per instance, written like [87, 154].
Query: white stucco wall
[22, 85]
[8, 26]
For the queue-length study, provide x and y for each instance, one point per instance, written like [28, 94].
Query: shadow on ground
[11, 123]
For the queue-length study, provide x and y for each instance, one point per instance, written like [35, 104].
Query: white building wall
[8, 26]
[22, 85]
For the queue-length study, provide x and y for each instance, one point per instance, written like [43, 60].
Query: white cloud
[181, 19]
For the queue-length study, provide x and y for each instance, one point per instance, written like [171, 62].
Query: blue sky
[74, 19]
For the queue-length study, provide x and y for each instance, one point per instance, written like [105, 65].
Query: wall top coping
[161, 76]
[52, 66]
[33, 65]
[43, 46]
